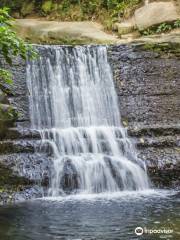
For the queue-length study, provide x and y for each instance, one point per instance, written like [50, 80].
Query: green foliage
[147, 32]
[7, 114]
[163, 27]
[117, 5]
[100, 10]
[13, 4]
[177, 23]
[6, 76]
[104, 11]
[90, 7]
[10, 44]
[27, 8]
[47, 5]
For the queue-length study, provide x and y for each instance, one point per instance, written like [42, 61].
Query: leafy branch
[11, 45]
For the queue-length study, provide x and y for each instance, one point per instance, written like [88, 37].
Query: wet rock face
[24, 173]
[147, 81]
[24, 168]
[14, 187]
[70, 179]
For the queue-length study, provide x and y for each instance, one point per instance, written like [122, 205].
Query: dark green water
[108, 217]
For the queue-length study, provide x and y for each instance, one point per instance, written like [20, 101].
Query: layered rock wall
[22, 169]
[147, 79]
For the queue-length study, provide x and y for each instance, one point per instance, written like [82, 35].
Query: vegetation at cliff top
[11, 45]
[105, 11]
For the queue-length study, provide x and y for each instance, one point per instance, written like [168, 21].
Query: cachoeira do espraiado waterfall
[73, 104]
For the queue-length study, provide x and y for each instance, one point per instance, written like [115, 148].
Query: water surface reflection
[107, 217]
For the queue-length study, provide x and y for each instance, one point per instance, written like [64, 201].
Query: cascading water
[73, 104]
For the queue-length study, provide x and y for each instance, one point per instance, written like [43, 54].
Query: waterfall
[73, 104]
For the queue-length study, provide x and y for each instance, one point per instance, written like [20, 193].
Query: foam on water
[119, 196]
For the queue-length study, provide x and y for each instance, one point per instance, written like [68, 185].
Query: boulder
[131, 36]
[155, 13]
[124, 27]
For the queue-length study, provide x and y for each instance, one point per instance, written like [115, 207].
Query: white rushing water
[73, 104]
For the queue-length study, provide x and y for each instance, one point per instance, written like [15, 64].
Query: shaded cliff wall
[147, 80]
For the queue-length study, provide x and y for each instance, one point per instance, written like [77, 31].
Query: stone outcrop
[124, 27]
[41, 31]
[151, 14]
[155, 13]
